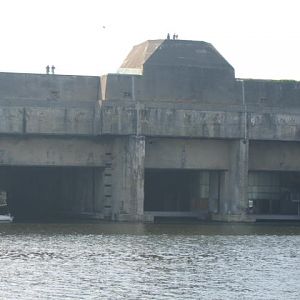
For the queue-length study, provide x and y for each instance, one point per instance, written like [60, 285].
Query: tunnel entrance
[274, 193]
[176, 193]
[47, 193]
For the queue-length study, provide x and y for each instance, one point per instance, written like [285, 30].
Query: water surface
[136, 261]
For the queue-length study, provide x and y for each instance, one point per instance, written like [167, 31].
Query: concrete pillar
[128, 178]
[234, 183]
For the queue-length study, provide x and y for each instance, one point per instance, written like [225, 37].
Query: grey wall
[178, 70]
[167, 119]
[163, 153]
[272, 93]
[37, 151]
[122, 87]
[19, 86]
[39, 117]
[274, 156]
[187, 83]
[274, 125]
[176, 84]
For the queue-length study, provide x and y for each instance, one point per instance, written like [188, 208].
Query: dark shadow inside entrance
[274, 193]
[176, 190]
[50, 192]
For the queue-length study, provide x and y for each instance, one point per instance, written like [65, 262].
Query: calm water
[167, 261]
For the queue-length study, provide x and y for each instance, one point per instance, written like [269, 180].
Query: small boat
[6, 218]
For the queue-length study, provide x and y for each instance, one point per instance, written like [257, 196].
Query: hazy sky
[260, 38]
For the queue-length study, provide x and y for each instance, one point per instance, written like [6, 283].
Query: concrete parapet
[42, 87]
[272, 93]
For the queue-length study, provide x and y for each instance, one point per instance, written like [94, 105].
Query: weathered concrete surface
[274, 126]
[11, 120]
[170, 120]
[50, 151]
[274, 156]
[177, 71]
[49, 118]
[283, 94]
[163, 153]
[66, 121]
[128, 178]
[181, 108]
[23, 86]
[236, 179]
[234, 183]
[122, 87]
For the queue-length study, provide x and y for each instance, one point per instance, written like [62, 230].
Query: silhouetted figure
[47, 69]
[174, 36]
[52, 69]
[168, 36]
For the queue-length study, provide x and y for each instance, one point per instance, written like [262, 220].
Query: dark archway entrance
[274, 193]
[176, 193]
[51, 192]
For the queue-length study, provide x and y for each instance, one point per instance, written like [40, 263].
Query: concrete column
[234, 183]
[128, 178]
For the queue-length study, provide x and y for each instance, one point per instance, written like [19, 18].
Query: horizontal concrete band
[100, 118]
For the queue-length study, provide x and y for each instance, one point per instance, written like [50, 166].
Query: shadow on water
[110, 228]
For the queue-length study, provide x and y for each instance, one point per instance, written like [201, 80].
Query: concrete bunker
[177, 193]
[52, 192]
[274, 194]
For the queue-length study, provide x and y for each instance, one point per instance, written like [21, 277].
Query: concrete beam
[51, 118]
[201, 154]
[274, 156]
[274, 126]
[35, 151]
[156, 119]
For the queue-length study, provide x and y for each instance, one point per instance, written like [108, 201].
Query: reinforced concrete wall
[23, 86]
[274, 156]
[52, 151]
[175, 105]
[199, 154]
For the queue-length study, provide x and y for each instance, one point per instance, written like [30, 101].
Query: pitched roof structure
[174, 53]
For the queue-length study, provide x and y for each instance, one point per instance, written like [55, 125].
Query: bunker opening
[47, 193]
[177, 193]
[274, 193]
